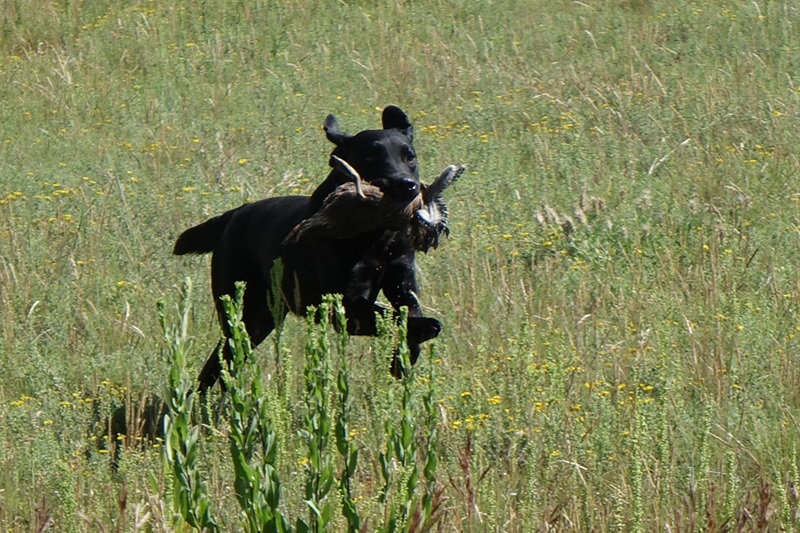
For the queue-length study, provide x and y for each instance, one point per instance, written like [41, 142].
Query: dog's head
[384, 158]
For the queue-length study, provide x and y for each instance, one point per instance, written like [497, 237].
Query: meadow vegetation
[620, 292]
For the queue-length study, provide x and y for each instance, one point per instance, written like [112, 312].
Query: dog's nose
[405, 188]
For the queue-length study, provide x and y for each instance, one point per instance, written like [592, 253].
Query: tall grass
[620, 292]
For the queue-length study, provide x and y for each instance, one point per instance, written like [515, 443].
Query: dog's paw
[421, 329]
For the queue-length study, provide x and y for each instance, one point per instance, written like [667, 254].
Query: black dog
[246, 241]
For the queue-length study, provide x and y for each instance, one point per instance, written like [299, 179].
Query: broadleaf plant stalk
[316, 429]
[190, 502]
[252, 440]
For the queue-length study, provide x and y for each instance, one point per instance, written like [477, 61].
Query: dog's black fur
[246, 241]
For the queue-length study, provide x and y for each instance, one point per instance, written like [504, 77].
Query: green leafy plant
[406, 509]
[252, 440]
[190, 500]
[347, 451]
[316, 429]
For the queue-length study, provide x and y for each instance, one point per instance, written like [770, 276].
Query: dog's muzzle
[402, 189]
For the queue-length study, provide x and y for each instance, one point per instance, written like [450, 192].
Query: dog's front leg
[401, 289]
[363, 286]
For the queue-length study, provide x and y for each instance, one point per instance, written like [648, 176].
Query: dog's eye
[411, 156]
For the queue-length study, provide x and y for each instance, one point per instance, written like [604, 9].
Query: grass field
[620, 292]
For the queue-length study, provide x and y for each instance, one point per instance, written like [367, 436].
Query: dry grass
[620, 291]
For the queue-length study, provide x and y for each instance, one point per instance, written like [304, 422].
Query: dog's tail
[202, 239]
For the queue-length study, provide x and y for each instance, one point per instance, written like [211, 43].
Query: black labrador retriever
[246, 241]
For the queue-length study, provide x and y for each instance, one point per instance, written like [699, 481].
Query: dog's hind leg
[212, 369]
[258, 322]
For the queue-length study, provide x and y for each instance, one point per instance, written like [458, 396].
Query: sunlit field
[620, 291]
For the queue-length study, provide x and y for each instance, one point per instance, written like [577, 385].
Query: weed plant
[189, 492]
[620, 291]
[254, 444]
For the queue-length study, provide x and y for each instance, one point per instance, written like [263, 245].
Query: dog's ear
[394, 117]
[332, 131]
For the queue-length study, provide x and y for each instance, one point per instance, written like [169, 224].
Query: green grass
[620, 292]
